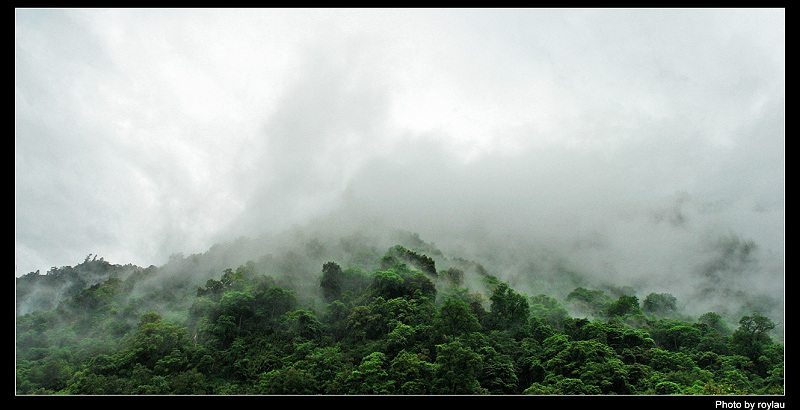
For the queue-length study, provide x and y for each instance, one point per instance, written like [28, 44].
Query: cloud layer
[635, 144]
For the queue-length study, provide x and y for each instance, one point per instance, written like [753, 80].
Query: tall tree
[455, 319]
[457, 369]
[509, 310]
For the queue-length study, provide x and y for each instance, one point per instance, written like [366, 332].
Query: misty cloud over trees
[268, 325]
[629, 152]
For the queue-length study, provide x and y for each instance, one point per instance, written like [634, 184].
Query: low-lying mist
[549, 218]
[604, 157]
[545, 222]
[639, 253]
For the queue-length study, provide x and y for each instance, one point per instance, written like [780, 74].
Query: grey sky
[643, 140]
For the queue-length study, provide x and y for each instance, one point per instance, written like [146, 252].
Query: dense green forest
[373, 323]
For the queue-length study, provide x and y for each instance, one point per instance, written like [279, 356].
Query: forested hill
[403, 320]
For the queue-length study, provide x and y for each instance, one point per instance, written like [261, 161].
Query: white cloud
[141, 133]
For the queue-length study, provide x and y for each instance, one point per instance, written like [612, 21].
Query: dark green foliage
[270, 303]
[455, 319]
[43, 292]
[591, 361]
[668, 388]
[401, 282]
[591, 302]
[397, 330]
[755, 327]
[213, 287]
[498, 374]
[331, 281]
[751, 340]
[540, 330]
[714, 321]
[371, 376]
[302, 324]
[287, 380]
[457, 369]
[625, 305]
[411, 374]
[509, 309]
[98, 296]
[400, 254]
[660, 303]
[156, 341]
[454, 276]
[549, 310]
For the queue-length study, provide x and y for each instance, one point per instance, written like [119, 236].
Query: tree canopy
[399, 328]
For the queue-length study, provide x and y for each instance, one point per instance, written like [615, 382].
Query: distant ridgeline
[346, 318]
[35, 291]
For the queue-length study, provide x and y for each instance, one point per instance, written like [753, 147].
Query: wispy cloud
[630, 141]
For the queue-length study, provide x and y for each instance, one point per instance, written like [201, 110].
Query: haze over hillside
[640, 148]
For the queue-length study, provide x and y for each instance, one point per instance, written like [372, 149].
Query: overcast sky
[637, 135]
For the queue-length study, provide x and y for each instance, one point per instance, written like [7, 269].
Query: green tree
[99, 296]
[774, 382]
[498, 374]
[324, 364]
[51, 373]
[610, 376]
[402, 336]
[539, 330]
[712, 388]
[457, 369]
[213, 288]
[302, 323]
[334, 319]
[665, 361]
[660, 303]
[269, 304]
[549, 310]
[509, 310]
[625, 305]
[231, 278]
[424, 263]
[453, 276]
[371, 376]
[755, 327]
[286, 380]
[411, 374]
[237, 305]
[366, 322]
[590, 301]
[388, 332]
[154, 339]
[177, 361]
[715, 321]
[331, 281]
[390, 284]
[573, 386]
[593, 362]
[668, 387]
[537, 388]
[683, 336]
[751, 339]
[190, 382]
[455, 319]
